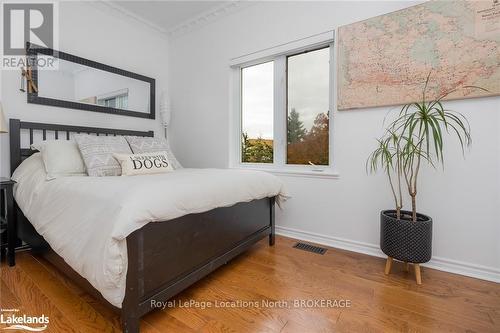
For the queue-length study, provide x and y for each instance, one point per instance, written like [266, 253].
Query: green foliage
[310, 147]
[256, 150]
[295, 128]
[417, 136]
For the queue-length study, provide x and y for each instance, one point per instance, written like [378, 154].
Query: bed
[162, 257]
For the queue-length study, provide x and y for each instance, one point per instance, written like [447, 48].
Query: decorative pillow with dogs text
[144, 164]
[140, 145]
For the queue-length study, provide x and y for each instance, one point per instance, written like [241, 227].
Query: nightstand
[7, 220]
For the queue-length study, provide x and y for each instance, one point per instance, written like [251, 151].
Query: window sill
[324, 174]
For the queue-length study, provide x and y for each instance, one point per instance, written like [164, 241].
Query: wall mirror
[77, 83]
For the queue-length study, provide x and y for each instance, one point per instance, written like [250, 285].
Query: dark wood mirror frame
[32, 52]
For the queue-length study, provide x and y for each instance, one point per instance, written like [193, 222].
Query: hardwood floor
[378, 303]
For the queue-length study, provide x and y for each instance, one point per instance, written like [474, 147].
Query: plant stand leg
[388, 265]
[407, 267]
[418, 276]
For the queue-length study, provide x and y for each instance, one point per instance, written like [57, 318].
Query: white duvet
[86, 219]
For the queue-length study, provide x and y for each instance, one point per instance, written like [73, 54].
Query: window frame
[279, 165]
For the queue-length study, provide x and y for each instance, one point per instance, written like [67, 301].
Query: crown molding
[120, 12]
[196, 22]
[209, 16]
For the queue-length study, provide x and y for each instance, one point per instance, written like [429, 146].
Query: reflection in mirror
[74, 82]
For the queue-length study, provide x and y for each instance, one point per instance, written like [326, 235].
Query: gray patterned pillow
[140, 145]
[97, 153]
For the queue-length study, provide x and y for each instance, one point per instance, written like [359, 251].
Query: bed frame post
[15, 143]
[272, 234]
[130, 316]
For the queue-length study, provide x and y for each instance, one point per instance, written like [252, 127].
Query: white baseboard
[442, 264]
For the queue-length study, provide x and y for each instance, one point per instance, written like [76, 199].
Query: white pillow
[61, 158]
[144, 164]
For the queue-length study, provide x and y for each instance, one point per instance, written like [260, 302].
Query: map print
[385, 60]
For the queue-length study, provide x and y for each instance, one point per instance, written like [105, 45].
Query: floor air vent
[310, 248]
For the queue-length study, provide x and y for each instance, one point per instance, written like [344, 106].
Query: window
[284, 111]
[117, 102]
[257, 100]
[308, 102]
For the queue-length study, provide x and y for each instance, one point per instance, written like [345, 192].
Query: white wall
[95, 33]
[464, 200]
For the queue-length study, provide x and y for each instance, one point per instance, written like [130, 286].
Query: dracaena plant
[414, 138]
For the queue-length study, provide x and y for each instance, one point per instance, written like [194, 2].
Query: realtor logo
[27, 22]
[13, 320]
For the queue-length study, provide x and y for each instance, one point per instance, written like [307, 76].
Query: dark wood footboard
[165, 258]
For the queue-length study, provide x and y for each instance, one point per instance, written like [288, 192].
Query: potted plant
[414, 139]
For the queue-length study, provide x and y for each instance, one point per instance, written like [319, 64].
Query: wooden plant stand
[418, 276]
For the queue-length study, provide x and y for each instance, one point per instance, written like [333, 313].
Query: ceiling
[167, 15]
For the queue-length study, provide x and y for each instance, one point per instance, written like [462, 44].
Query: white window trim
[279, 55]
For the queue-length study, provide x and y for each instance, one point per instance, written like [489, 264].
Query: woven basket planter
[405, 240]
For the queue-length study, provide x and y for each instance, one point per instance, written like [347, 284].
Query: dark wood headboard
[18, 154]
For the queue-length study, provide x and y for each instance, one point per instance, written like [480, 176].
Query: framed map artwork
[385, 60]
